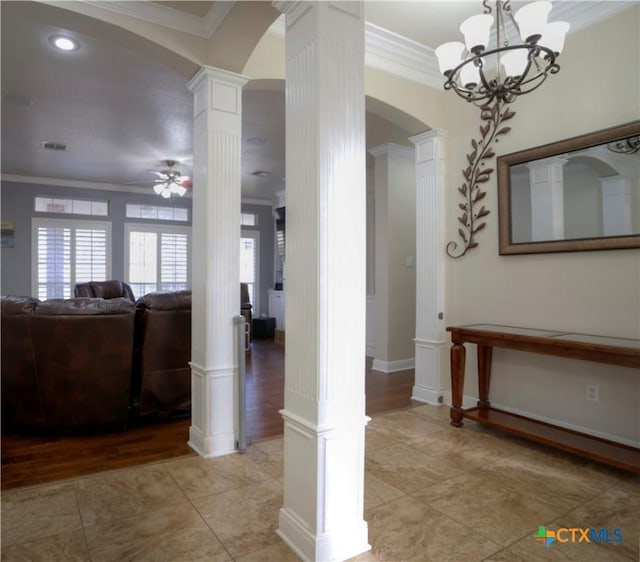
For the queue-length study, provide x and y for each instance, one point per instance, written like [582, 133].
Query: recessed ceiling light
[64, 43]
[256, 141]
[261, 173]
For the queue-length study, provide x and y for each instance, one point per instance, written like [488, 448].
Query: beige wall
[589, 292]
[395, 241]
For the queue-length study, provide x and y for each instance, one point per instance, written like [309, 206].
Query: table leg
[484, 375]
[458, 355]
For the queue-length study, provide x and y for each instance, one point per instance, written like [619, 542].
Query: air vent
[47, 145]
[17, 100]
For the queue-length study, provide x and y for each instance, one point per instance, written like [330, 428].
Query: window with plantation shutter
[68, 252]
[249, 259]
[173, 261]
[157, 258]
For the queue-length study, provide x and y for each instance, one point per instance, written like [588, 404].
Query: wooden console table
[615, 351]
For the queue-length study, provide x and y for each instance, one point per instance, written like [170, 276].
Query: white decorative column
[547, 198]
[216, 259]
[616, 206]
[395, 242]
[371, 265]
[324, 413]
[430, 340]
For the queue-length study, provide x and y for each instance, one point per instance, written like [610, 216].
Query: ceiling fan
[171, 181]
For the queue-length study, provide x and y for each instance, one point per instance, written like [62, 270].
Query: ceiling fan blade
[158, 188]
[159, 174]
[183, 178]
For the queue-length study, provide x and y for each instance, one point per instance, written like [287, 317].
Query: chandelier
[480, 75]
[171, 182]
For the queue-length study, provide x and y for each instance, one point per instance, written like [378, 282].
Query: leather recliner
[21, 404]
[162, 376]
[83, 351]
[66, 365]
[104, 289]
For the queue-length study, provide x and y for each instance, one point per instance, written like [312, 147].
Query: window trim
[72, 213]
[73, 224]
[165, 228]
[174, 221]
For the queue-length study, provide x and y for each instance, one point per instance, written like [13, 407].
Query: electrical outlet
[593, 392]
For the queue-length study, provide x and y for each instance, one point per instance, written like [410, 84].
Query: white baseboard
[209, 447]
[428, 395]
[370, 350]
[471, 402]
[337, 544]
[393, 366]
[566, 425]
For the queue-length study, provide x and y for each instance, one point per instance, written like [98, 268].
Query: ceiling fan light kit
[171, 182]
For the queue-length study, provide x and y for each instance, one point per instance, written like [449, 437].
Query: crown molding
[403, 57]
[584, 14]
[392, 53]
[393, 148]
[216, 15]
[151, 12]
[78, 184]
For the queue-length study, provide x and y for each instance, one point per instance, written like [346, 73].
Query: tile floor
[432, 493]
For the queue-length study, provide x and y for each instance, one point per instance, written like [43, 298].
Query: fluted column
[216, 259]
[616, 206]
[324, 413]
[547, 198]
[430, 340]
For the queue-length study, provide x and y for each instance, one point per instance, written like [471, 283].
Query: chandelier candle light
[510, 69]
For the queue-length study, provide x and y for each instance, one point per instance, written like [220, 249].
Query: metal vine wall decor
[475, 174]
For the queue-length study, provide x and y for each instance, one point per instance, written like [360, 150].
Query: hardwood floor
[28, 460]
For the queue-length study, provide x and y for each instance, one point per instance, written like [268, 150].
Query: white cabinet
[276, 307]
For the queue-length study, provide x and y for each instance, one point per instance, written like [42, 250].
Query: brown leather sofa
[21, 404]
[112, 289]
[162, 379]
[82, 353]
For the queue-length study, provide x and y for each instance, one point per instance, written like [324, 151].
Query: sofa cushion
[84, 306]
[176, 300]
[108, 289]
[21, 406]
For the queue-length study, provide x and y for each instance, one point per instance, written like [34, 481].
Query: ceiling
[123, 109]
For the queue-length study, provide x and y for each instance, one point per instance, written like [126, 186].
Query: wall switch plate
[593, 392]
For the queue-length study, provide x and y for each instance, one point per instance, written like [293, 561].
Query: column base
[339, 545]
[428, 386]
[432, 396]
[215, 446]
[213, 411]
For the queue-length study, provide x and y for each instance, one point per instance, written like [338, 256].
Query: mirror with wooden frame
[578, 194]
